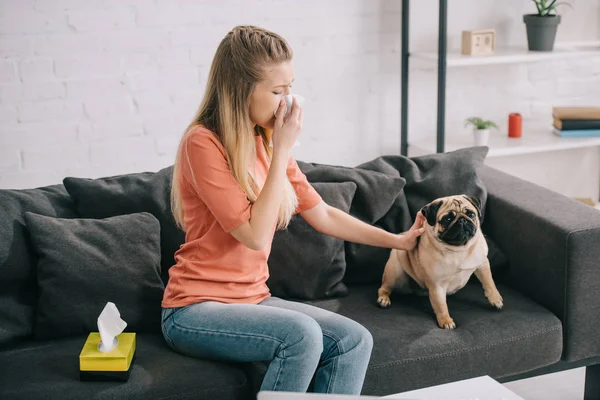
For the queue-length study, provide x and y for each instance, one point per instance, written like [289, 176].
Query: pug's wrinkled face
[453, 219]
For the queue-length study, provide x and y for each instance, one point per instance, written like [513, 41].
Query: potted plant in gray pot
[541, 27]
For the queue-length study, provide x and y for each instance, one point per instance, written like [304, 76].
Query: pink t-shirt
[212, 264]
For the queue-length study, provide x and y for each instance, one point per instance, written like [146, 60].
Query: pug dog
[450, 250]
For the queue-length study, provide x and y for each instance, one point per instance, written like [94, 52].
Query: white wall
[102, 87]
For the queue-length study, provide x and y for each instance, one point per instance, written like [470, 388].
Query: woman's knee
[364, 337]
[351, 336]
[360, 337]
[305, 334]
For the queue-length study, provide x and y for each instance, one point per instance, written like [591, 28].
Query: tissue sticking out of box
[110, 325]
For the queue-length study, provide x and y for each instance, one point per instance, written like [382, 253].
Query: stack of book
[576, 121]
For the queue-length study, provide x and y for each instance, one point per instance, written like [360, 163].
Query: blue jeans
[298, 339]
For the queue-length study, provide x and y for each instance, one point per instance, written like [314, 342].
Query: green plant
[547, 7]
[480, 123]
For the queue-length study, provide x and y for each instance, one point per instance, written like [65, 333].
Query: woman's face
[267, 94]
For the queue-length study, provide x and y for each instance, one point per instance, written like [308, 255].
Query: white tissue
[288, 102]
[110, 325]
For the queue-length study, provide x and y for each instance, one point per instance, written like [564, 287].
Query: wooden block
[586, 200]
[478, 42]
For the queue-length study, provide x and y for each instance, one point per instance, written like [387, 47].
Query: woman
[231, 191]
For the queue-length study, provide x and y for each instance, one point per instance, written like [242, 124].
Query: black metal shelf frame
[441, 93]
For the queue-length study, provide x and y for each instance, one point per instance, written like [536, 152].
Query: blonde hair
[237, 67]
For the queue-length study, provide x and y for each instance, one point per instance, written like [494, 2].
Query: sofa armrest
[553, 246]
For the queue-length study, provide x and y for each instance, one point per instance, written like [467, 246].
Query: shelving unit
[538, 140]
[535, 139]
[515, 55]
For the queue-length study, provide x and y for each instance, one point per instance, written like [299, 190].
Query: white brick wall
[102, 87]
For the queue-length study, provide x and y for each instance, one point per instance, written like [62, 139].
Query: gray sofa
[549, 278]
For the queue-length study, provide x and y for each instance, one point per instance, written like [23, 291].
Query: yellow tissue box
[111, 365]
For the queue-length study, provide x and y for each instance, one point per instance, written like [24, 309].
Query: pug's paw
[495, 300]
[384, 301]
[446, 322]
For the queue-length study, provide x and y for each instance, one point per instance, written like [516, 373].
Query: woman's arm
[255, 233]
[334, 222]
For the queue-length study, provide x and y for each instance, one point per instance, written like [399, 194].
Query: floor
[566, 385]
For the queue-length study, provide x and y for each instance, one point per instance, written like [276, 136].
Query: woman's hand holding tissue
[287, 128]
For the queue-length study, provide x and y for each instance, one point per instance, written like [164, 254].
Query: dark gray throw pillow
[377, 192]
[18, 286]
[85, 263]
[128, 194]
[436, 175]
[305, 264]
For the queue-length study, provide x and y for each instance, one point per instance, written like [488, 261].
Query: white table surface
[481, 388]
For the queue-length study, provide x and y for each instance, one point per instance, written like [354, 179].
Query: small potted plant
[541, 27]
[481, 130]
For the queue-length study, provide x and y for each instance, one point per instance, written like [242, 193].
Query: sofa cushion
[304, 263]
[50, 370]
[427, 178]
[410, 351]
[18, 287]
[376, 193]
[85, 263]
[127, 194]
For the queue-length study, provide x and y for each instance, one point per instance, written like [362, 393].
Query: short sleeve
[213, 181]
[307, 195]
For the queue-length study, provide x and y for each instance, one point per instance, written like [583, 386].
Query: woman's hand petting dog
[408, 240]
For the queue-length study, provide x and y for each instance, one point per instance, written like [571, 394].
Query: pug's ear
[476, 202]
[430, 210]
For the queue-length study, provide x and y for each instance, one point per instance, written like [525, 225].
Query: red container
[515, 125]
